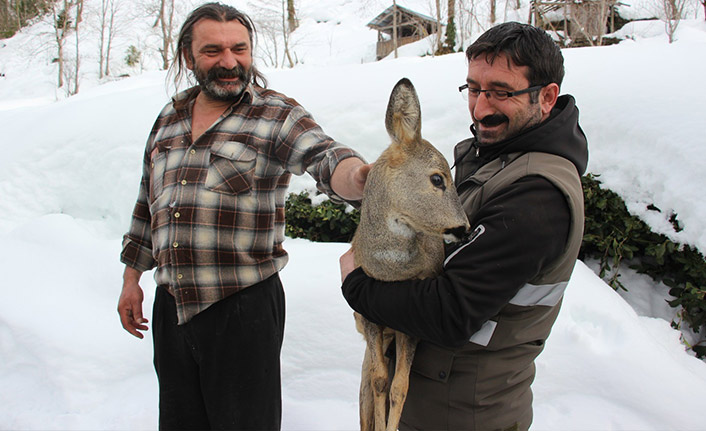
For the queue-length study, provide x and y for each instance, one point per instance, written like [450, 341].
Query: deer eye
[437, 181]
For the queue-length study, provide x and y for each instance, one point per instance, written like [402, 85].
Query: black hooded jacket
[525, 228]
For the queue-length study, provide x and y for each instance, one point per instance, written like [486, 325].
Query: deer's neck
[389, 238]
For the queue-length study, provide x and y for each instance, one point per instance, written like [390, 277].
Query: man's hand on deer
[348, 180]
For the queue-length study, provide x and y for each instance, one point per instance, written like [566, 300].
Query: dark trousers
[221, 370]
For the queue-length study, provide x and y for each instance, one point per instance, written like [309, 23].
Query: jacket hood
[560, 134]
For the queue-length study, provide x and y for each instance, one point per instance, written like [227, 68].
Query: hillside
[71, 166]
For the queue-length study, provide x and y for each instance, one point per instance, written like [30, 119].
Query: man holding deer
[483, 321]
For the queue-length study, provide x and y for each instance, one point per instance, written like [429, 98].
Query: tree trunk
[492, 11]
[79, 18]
[166, 23]
[394, 25]
[61, 25]
[6, 17]
[111, 33]
[451, 26]
[101, 42]
[438, 25]
[285, 34]
[292, 16]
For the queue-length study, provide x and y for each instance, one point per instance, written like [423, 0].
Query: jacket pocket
[433, 362]
[231, 167]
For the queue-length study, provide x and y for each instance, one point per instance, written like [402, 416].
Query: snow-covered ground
[69, 175]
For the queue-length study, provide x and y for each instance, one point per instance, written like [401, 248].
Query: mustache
[494, 120]
[221, 72]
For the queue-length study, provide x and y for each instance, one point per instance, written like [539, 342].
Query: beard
[214, 88]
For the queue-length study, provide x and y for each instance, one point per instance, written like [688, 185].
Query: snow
[69, 175]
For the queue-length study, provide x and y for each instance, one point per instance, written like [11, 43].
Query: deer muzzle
[455, 234]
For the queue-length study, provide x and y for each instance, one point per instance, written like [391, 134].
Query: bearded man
[210, 218]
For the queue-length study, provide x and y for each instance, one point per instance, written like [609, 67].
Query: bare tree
[61, 25]
[165, 21]
[438, 26]
[492, 12]
[107, 27]
[270, 49]
[14, 14]
[464, 27]
[286, 31]
[292, 16]
[673, 13]
[272, 21]
[77, 64]
[8, 17]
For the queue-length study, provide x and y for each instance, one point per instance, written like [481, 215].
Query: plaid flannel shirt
[210, 214]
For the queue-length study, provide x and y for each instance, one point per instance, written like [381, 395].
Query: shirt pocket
[231, 167]
[158, 166]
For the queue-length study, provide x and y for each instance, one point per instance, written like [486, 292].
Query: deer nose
[455, 234]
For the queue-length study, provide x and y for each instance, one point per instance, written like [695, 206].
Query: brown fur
[404, 218]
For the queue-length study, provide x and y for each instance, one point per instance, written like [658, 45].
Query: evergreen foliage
[612, 236]
[451, 35]
[326, 222]
[133, 56]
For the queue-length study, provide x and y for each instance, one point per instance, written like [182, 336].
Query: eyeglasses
[497, 94]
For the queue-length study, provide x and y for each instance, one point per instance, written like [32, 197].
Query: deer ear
[403, 119]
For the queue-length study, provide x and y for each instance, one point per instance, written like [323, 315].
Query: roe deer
[409, 207]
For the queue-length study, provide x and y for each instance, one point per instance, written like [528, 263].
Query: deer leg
[406, 346]
[377, 374]
[365, 397]
[365, 400]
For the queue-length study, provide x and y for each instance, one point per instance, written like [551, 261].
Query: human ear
[547, 98]
[188, 57]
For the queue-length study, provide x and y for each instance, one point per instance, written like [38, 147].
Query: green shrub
[133, 56]
[326, 222]
[612, 236]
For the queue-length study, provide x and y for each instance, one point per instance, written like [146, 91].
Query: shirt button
[152, 165]
[180, 276]
[176, 244]
[192, 151]
[442, 374]
[177, 215]
[183, 182]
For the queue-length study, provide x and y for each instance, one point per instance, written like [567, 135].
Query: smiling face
[498, 120]
[221, 58]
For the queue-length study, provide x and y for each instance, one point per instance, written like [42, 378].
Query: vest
[485, 385]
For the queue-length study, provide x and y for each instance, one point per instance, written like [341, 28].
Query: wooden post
[394, 26]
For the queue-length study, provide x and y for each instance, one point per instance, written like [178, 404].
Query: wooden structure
[576, 22]
[411, 27]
